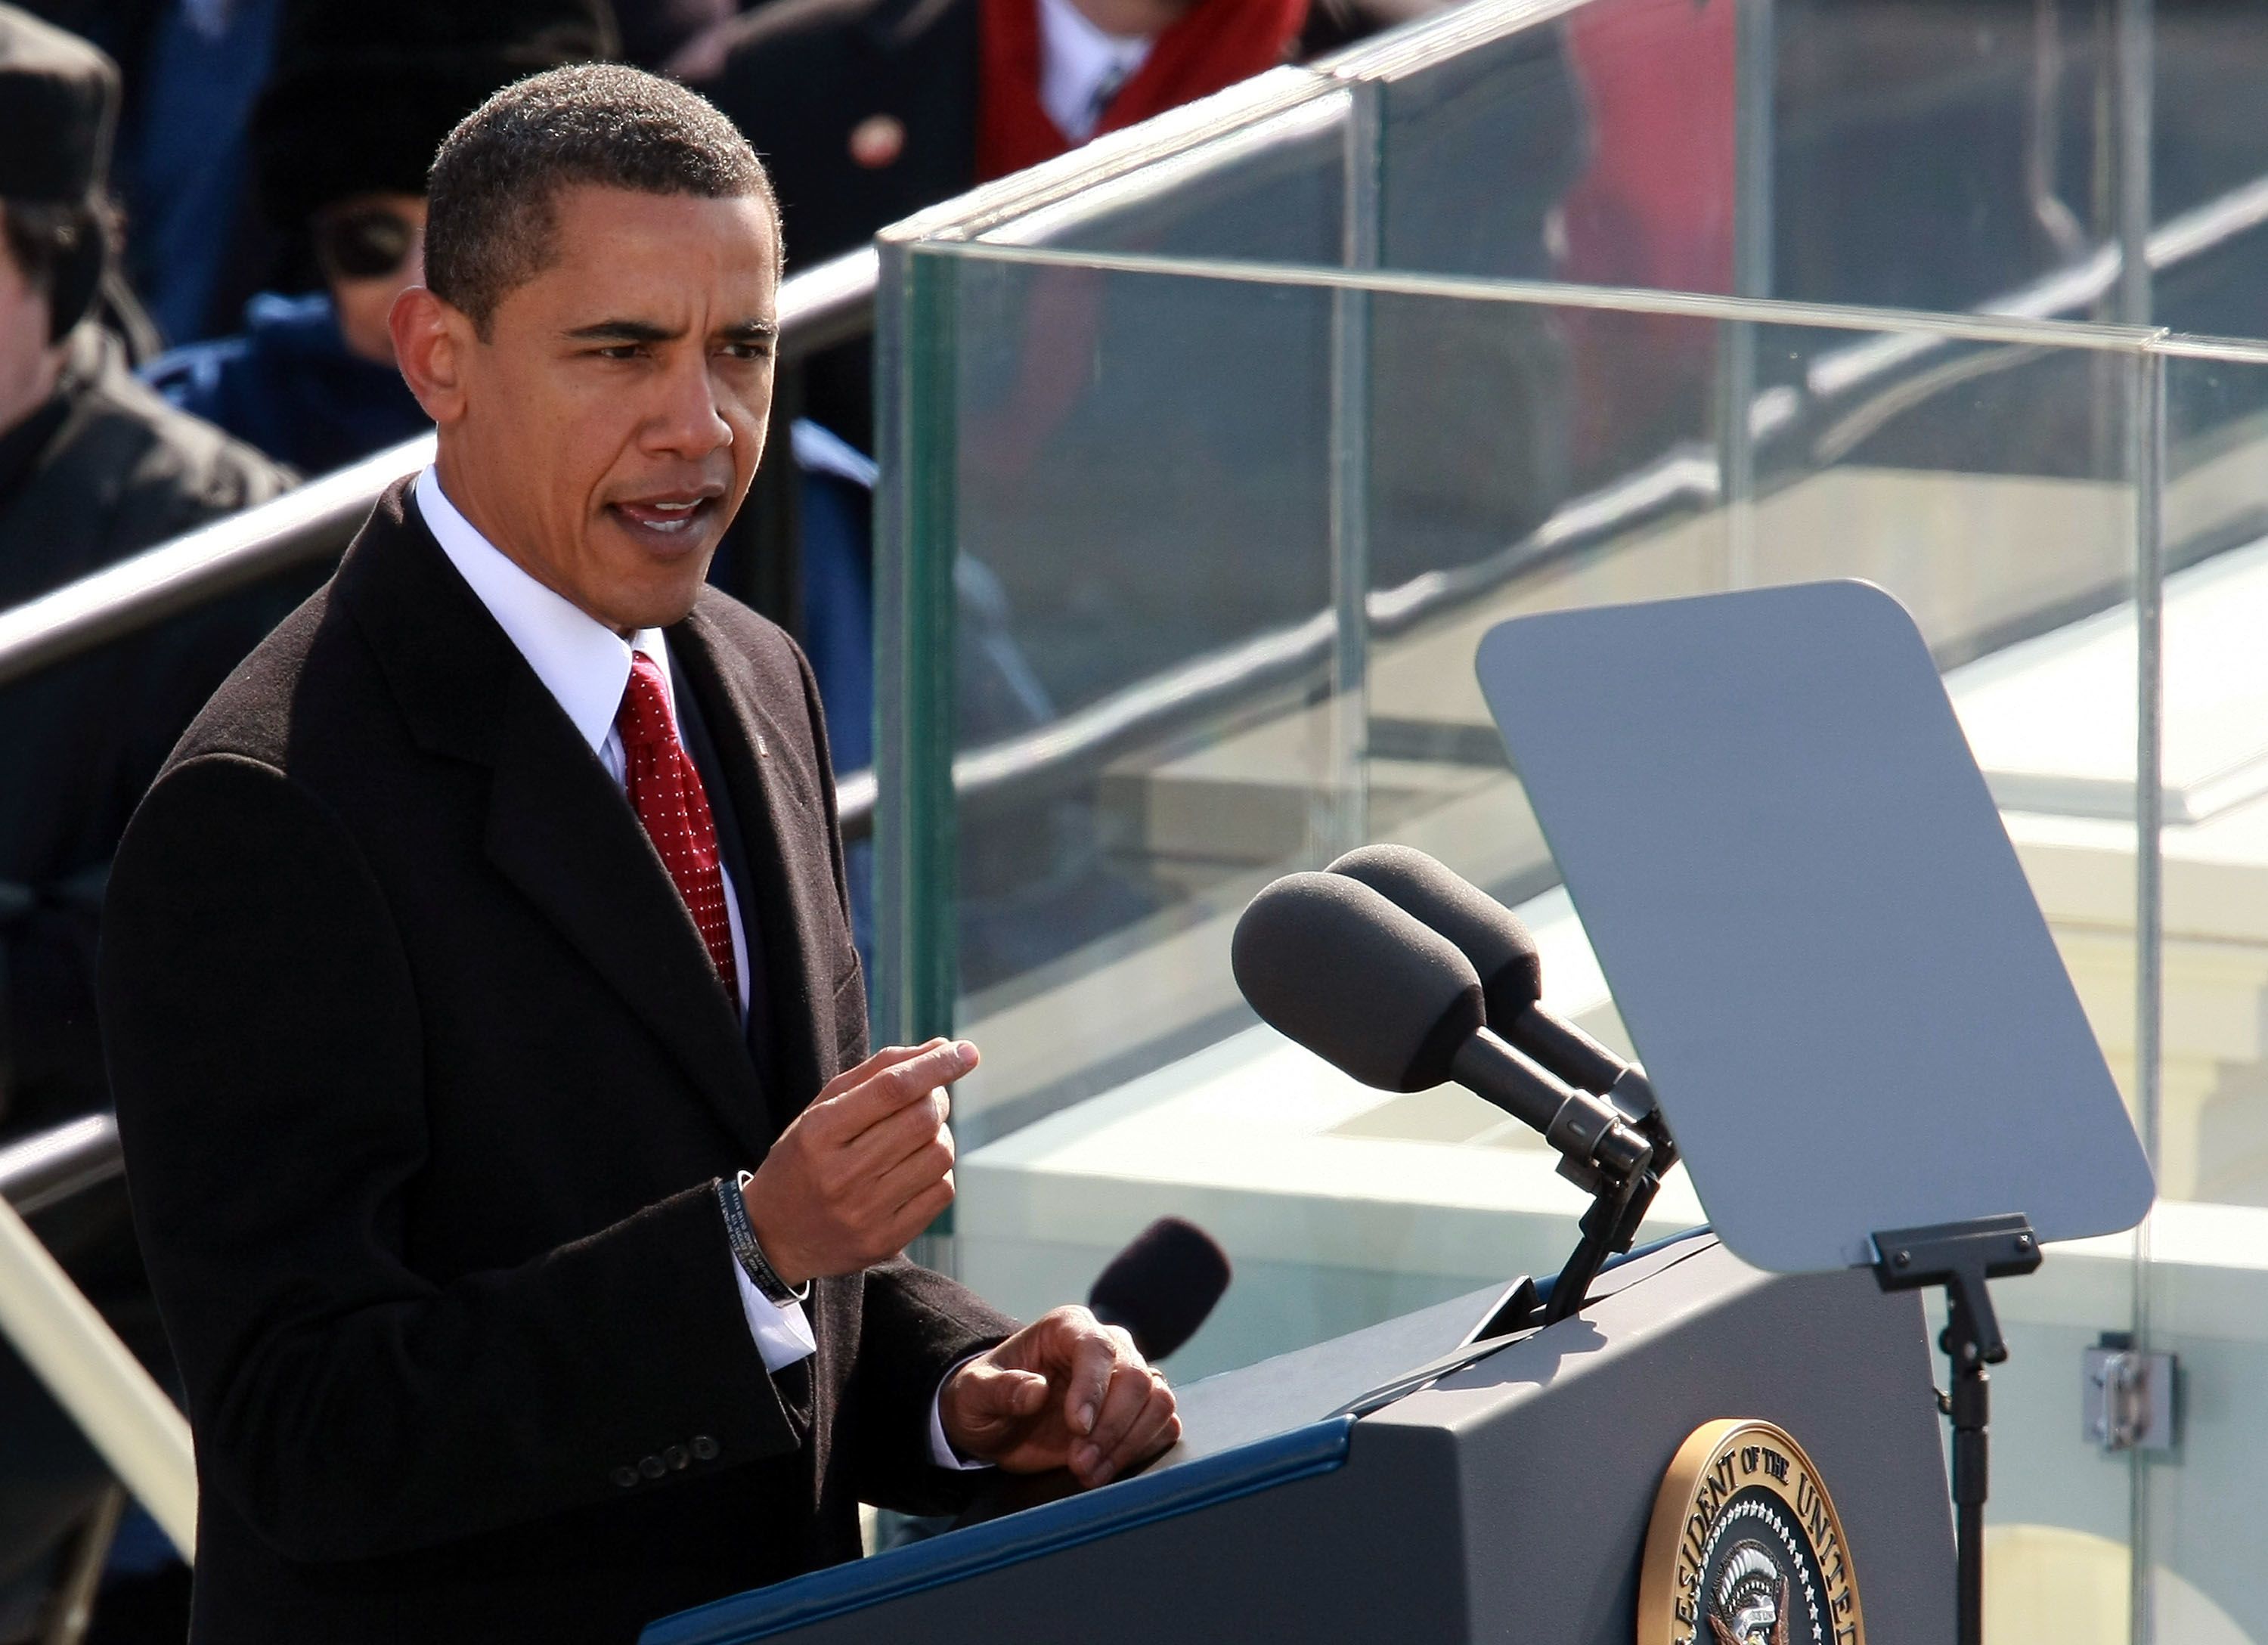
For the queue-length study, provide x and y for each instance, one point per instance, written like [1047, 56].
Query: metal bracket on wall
[2127, 1398]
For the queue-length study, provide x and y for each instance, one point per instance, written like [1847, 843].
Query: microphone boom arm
[1608, 1147]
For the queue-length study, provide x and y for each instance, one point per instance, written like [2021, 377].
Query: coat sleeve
[266, 1052]
[917, 1326]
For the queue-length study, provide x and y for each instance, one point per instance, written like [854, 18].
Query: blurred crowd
[209, 208]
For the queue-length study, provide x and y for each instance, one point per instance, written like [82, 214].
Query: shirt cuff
[783, 1334]
[940, 1449]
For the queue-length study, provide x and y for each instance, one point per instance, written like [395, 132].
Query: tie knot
[645, 717]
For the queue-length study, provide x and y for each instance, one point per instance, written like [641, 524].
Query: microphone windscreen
[1329, 963]
[1162, 1285]
[1490, 934]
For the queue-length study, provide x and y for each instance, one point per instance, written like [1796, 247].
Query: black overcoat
[102, 471]
[424, 1082]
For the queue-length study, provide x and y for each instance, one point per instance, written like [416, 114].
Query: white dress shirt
[1082, 67]
[585, 666]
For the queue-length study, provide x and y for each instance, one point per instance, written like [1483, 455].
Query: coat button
[624, 1477]
[652, 1467]
[676, 1457]
[705, 1449]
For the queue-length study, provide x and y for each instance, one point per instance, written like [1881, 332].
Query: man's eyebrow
[752, 331]
[623, 331]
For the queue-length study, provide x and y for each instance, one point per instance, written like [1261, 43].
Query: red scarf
[1211, 46]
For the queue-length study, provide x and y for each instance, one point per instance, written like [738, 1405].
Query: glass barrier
[2206, 923]
[1215, 596]
[1207, 472]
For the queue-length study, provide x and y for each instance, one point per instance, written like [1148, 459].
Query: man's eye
[748, 350]
[620, 351]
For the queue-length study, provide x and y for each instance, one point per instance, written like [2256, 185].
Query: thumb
[998, 1392]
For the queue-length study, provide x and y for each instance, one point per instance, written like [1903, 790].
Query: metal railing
[834, 303]
[50, 1166]
[1862, 384]
[139, 1431]
[818, 309]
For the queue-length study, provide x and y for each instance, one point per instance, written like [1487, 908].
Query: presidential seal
[1744, 1547]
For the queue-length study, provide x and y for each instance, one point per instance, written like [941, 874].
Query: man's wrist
[749, 1251]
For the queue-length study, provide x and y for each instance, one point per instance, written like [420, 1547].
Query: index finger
[1091, 1364]
[884, 1093]
[888, 1057]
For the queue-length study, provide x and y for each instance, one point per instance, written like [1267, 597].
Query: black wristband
[747, 1253]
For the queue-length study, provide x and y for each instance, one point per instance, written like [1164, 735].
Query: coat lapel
[561, 832]
[787, 844]
[558, 828]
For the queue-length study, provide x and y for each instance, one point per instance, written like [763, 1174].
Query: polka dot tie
[665, 792]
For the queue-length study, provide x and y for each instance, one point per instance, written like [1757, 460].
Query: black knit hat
[58, 108]
[362, 94]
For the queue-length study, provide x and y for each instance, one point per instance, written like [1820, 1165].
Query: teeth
[668, 518]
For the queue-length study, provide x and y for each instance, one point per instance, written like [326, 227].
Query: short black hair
[489, 220]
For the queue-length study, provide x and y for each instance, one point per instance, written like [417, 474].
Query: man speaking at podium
[483, 932]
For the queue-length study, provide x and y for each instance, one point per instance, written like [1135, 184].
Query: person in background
[197, 245]
[360, 98]
[94, 469]
[190, 70]
[868, 110]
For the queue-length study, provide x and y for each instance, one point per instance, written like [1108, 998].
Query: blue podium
[1508, 1499]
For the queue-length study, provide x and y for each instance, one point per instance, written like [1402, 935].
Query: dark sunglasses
[366, 243]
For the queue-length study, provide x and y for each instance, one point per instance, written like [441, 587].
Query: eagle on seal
[1759, 1614]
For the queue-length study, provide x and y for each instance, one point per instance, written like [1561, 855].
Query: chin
[658, 609]
[632, 592]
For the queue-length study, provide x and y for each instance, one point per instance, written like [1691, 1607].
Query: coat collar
[557, 827]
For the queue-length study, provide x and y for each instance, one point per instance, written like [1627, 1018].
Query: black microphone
[1503, 954]
[1369, 988]
[1162, 1285]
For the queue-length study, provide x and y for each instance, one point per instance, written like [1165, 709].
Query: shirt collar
[583, 663]
[1075, 58]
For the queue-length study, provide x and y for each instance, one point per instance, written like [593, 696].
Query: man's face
[371, 248]
[29, 363]
[605, 432]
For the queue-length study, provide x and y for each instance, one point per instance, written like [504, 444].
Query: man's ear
[430, 341]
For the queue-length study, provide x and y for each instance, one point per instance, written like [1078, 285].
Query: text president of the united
[486, 928]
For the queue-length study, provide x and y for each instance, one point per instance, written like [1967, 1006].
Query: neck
[451, 471]
[1131, 19]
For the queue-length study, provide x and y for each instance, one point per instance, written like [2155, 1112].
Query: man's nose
[685, 420]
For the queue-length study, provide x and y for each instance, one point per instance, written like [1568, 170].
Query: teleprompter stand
[1821, 941]
[1962, 1256]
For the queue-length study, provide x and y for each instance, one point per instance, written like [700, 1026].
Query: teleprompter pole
[1962, 1256]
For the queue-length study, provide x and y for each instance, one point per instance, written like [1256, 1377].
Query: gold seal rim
[1657, 1582]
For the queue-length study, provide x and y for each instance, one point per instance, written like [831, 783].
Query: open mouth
[659, 519]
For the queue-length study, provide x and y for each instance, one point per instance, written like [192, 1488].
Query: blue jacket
[288, 386]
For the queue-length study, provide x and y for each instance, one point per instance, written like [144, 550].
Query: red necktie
[665, 792]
